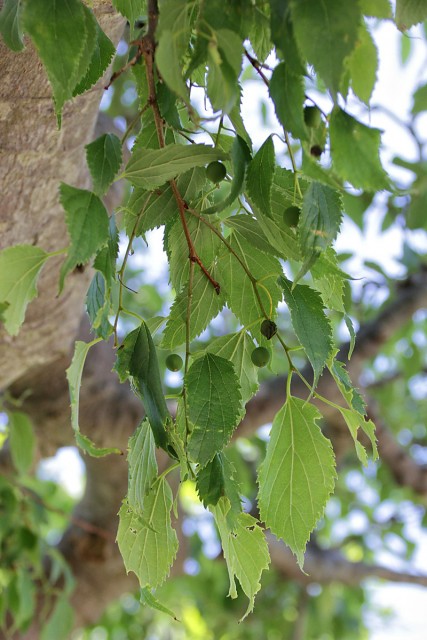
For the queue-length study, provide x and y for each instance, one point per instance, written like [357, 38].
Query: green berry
[260, 356]
[312, 117]
[268, 329]
[291, 216]
[216, 171]
[174, 362]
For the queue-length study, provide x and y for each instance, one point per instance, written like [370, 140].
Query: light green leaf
[204, 306]
[150, 168]
[102, 55]
[149, 544]
[142, 466]
[213, 406]
[287, 92]
[363, 65]
[52, 27]
[74, 377]
[326, 35]
[355, 152]
[348, 391]
[98, 306]
[87, 224]
[329, 280]
[224, 62]
[260, 175]
[420, 100]
[147, 598]
[22, 441]
[245, 551]
[240, 293]
[104, 157]
[250, 230]
[320, 219]
[168, 63]
[352, 333]
[410, 12]
[20, 267]
[297, 475]
[60, 622]
[354, 420]
[137, 360]
[310, 323]
[10, 24]
[376, 8]
[237, 348]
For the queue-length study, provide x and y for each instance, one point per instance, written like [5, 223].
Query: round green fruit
[260, 356]
[291, 216]
[268, 329]
[174, 362]
[312, 117]
[216, 171]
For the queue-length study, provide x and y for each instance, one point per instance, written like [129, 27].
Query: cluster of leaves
[227, 246]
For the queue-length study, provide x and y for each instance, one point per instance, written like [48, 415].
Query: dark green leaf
[326, 35]
[10, 24]
[213, 406]
[98, 306]
[260, 175]
[288, 95]
[217, 479]
[137, 360]
[131, 9]
[355, 152]
[104, 157]
[251, 231]
[105, 260]
[410, 12]
[282, 34]
[87, 224]
[101, 58]
[310, 323]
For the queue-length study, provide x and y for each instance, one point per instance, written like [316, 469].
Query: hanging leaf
[363, 66]
[60, 622]
[87, 224]
[245, 551]
[354, 420]
[410, 12]
[320, 219]
[146, 597]
[142, 466]
[10, 24]
[20, 268]
[355, 152]
[106, 258]
[287, 92]
[102, 55]
[250, 229]
[216, 480]
[282, 34]
[98, 307]
[213, 406]
[104, 157]
[21, 440]
[148, 543]
[260, 176]
[310, 324]
[297, 475]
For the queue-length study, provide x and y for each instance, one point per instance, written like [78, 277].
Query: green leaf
[148, 543]
[260, 176]
[363, 66]
[297, 475]
[326, 35]
[74, 377]
[310, 323]
[282, 34]
[10, 24]
[224, 62]
[320, 219]
[205, 305]
[20, 267]
[106, 258]
[348, 391]
[354, 420]
[287, 92]
[241, 295]
[329, 280]
[137, 360]
[213, 405]
[250, 230]
[52, 27]
[376, 8]
[102, 55]
[60, 622]
[168, 63]
[22, 441]
[355, 152]
[245, 551]
[142, 466]
[146, 597]
[104, 157]
[240, 157]
[420, 100]
[131, 9]
[410, 12]
[237, 348]
[150, 168]
[98, 306]
[217, 479]
[87, 224]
